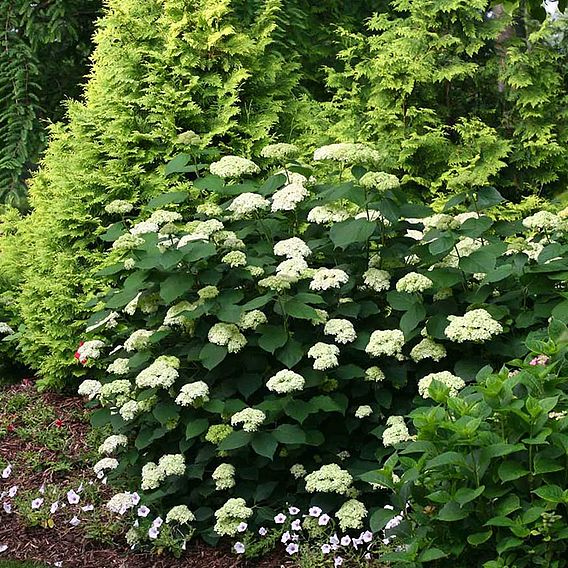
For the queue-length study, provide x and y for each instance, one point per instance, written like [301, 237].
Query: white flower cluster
[103, 465]
[280, 151]
[377, 280]
[292, 269]
[455, 384]
[439, 221]
[162, 373]
[543, 221]
[224, 476]
[396, 431]
[324, 214]
[298, 471]
[327, 278]
[351, 515]
[385, 342]
[115, 389]
[374, 374]
[245, 204]
[119, 366]
[163, 217]
[233, 167]
[89, 388]
[230, 516]
[127, 242]
[348, 154]
[175, 315]
[292, 248]
[476, 325]
[329, 479]
[413, 282]
[5, 329]
[138, 340]
[122, 502]
[324, 355]
[144, 227]
[180, 514]
[252, 319]
[193, 394]
[250, 418]
[153, 475]
[129, 410]
[363, 411]
[227, 335]
[341, 329]
[209, 209]
[119, 207]
[428, 349]
[112, 443]
[287, 198]
[89, 350]
[285, 381]
[380, 181]
[464, 247]
[235, 258]
[109, 322]
[276, 282]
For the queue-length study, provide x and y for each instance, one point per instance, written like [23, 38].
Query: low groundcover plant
[263, 343]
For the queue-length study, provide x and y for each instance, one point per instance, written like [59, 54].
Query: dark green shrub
[205, 320]
[486, 477]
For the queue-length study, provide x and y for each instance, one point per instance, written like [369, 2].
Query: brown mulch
[69, 545]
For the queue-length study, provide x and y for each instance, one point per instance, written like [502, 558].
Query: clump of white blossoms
[230, 516]
[193, 394]
[224, 476]
[153, 475]
[117, 390]
[328, 278]
[396, 431]
[385, 342]
[162, 373]
[285, 381]
[329, 478]
[414, 282]
[341, 329]
[331, 213]
[163, 217]
[122, 502]
[543, 221]
[180, 514]
[89, 350]
[129, 410]
[138, 340]
[89, 388]
[324, 355]
[127, 242]
[233, 167]
[280, 151]
[348, 153]
[112, 443]
[175, 315]
[276, 282]
[363, 411]
[119, 207]
[428, 349]
[476, 325]
[374, 374]
[454, 383]
[172, 464]
[119, 366]
[380, 181]
[103, 465]
[250, 418]
[5, 329]
[227, 335]
[252, 319]
[210, 209]
[287, 198]
[144, 227]
[246, 204]
[298, 471]
[292, 269]
[109, 322]
[292, 248]
[377, 280]
[464, 247]
[439, 221]
[351, 515]
[235, 258]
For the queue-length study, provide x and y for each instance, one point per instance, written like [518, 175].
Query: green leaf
[476, 226]
[147, 435]
[257, 302]
[100, 417]
[272, 337]
[352, 231]
[113, 232]
[442, 244]
[432, 554]
[177, 164]
[289, 434]
[235, 440]
[196, 250]
[174, 286]
[167, 198]
[299, 410]
[196, 428]
[379, 519]
[550, 493]
[464, 495]
[211, 355]
[166, 412]
[488, 197]
[412, 318]
[451, 512]
[479, 538]
[264, 444]
[401, 301]
[291, 354]
[510, 470]
[481, 260]
[299, 310]
[507, 544]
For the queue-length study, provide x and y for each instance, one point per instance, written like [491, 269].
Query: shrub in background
[486, 477]
[267, 343]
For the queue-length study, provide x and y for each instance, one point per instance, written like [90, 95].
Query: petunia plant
[265, 338]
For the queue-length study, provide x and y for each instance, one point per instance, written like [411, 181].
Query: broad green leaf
[264, 444]
[167, 198]
[113, 232]
[174, 286]
[379, 519]
[196, 428]
[211, 355]
[166, 413]
[272, 337]
[300, 310]
[289, 434]
[235, 440]
[479, 538]
[299, 410]
[452, 512]
[464, 495]
[550, 493]
[197, 250]
[352, 231]
[291, 354]
[432, 554]
[510, 470]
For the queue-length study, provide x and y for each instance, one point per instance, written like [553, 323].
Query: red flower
[10, 428]
[58, 423]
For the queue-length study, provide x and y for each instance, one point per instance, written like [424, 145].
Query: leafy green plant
[266, 338]
[485, 477]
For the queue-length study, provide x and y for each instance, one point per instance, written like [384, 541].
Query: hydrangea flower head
[224, 476]
[329, 478]
[387, 342]
[351, 515]
[246, 204]
[348, 153]
[250, 418]
[233, 167]
[381, 181]
[476, 325]
[377, 280]
[454, 383]
[230, 516]
[292, 248]
[324, 355]
[193, 394]
[119, 207]
[180, 514]
[285, 381]
[227, 335]
[414, 282]
[328, 278]
[280, 151]
[287, 198]
[396, 431]
[428, 349]
[341, 329]
[162, 373]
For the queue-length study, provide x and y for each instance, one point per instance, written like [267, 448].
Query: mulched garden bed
[69, 545]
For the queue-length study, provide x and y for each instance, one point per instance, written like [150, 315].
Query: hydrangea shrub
[269, 342]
